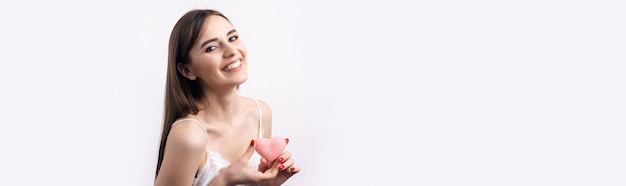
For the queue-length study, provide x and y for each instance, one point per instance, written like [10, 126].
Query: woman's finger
[285, 156]
[286, 165]
[294, 169]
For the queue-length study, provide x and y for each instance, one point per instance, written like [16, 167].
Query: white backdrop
[369, 92]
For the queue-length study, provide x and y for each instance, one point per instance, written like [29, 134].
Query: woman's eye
[231, 39]
[210, 48]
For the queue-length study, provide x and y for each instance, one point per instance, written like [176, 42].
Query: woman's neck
[222, 106]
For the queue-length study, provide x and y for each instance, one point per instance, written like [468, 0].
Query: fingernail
[251, 142]
[281, 159]
[281, 167]
[287, 140]
[292, 168]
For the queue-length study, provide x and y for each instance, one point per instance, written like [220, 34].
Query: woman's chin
[239, 82]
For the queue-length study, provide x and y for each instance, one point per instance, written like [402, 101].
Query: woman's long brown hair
[182, 96]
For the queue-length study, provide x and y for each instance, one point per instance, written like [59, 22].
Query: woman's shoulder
[265, 107]
[188, 134]
[266, 115]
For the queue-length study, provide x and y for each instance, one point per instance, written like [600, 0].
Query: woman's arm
[184, 152]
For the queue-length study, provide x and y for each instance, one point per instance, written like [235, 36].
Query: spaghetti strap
[260, 118]
[195, 121]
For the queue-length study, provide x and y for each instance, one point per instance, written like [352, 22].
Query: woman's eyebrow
[207, 42]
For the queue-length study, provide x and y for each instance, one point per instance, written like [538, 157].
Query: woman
[208, 129]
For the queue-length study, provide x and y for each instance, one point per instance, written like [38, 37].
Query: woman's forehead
[215, 26]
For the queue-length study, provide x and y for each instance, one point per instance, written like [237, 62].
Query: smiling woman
[209, 131]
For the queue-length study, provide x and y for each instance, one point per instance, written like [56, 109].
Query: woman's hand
[284, 164]
[240, 173]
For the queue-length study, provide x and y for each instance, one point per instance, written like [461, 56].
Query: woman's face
[218, 58]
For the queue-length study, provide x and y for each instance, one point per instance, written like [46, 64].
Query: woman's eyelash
[210, 48]
[233, 38]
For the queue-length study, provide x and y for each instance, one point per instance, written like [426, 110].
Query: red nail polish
[251, 142]
[292, 169]
[281, 167]
[286, 140]
[280, 159]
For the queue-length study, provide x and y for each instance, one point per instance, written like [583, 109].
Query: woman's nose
[229, 50]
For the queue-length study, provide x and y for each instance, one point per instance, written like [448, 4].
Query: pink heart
[270, 149]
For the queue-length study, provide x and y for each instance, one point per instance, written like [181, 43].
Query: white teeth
[234, 65]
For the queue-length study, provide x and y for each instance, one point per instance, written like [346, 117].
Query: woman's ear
[185, 71]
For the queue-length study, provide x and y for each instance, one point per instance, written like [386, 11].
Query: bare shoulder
[267, 118]
[266, 111]
[187, 136]
[265, 107]
[185, 150]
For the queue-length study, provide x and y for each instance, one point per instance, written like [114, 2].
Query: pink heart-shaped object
[270, 149]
